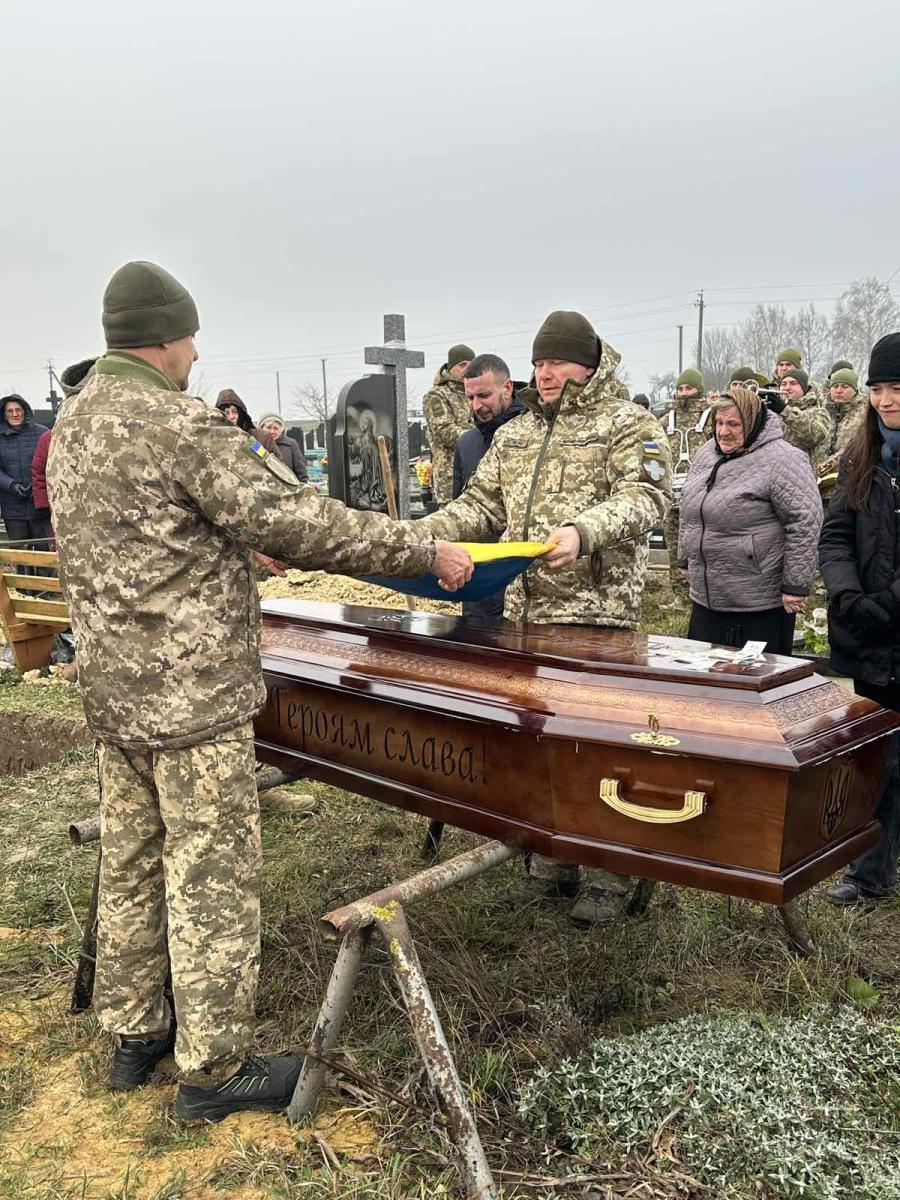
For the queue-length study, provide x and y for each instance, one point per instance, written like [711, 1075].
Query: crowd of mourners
[775, 478]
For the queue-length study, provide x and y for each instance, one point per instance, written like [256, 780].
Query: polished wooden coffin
[604, 747]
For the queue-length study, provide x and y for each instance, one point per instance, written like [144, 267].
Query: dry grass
[516, 984]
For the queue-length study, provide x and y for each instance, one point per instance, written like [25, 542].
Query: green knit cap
[842, 364]
[692, 378]
[845, 375]
[459, 354]
[568, 336]
[794, 357]
[742, 375]
[144, 305]
[800, 375]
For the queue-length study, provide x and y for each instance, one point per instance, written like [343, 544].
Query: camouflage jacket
[688, 425]
[807, 424]
[447, 416]
[158, 502]
[846, 419]
[593, 461]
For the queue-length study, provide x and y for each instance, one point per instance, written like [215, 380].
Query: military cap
[690, 377]
[845, 375]
[742, 375]
[800, 375]
[794, 357]
[459, 354]
[568, 336]
[144, 305]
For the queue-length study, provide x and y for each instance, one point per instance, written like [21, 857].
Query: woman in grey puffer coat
[750, 521]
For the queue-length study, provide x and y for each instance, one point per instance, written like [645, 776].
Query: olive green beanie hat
[691, 377]
[845, 375]
[842, 364]
[568, 336]
[800, 375]
[742, 375]
[794, 357]
[144, 305]
[459, 354]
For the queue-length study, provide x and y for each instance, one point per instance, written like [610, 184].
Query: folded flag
[496, 565]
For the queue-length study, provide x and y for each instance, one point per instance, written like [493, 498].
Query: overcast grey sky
[304, 168]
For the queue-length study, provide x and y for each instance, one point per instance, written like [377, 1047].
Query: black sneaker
[265, 1084]
[135, 1058]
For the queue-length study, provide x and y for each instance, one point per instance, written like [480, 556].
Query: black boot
[259, 1083]
[135, 1058]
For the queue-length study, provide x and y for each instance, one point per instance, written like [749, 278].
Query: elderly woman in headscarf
[750, 521]
[287, 449]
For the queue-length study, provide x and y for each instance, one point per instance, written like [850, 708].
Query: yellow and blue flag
[496, 565]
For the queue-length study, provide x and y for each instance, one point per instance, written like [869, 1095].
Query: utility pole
[700, 306]
[680, 348]
[324, 390]
[278, 390]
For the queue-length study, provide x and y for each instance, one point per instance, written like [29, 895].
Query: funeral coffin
[639, 753]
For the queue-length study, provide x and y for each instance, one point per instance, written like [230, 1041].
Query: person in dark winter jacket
[234, 410]
[492, 402]
[19, 436]
[750, 521]
[859, 556]
[287, 448]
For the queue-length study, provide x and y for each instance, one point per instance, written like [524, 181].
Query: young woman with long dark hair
[859, 555]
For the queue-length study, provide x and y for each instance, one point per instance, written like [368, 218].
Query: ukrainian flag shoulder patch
[257, 448]
[651, 447]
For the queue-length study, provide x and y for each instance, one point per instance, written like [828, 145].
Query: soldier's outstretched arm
[478, 514]
[639, 473]
[260, 501]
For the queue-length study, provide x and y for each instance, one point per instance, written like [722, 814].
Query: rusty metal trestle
[354, 923]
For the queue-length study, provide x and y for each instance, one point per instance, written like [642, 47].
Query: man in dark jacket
[287, 448]
[492, 402]
[19, 436]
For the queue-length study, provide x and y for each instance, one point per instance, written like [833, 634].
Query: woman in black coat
[288, 449]
[859, 555]
[19, 435]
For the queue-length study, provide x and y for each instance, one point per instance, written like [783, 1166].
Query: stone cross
[394, 358]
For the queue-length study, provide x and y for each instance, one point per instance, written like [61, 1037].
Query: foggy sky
[305, 168]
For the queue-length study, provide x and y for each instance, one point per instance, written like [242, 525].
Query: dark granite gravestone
[365, 412]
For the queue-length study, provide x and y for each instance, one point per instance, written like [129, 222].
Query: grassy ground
[516, 985]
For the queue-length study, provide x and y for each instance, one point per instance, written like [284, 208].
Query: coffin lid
[582, 682]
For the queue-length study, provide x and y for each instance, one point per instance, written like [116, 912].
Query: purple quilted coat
[751, 532]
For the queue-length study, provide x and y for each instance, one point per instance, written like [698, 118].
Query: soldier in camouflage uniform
[847, 409]
[159, 502]
[687, 425]
[808, 424]
[591, 472]
[447, 417]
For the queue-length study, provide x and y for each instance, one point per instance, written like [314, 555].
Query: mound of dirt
[342, 589]
[29, 740]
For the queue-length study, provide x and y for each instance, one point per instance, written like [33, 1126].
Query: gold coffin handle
[694, 805]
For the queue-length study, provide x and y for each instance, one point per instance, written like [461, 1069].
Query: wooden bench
[30, 624]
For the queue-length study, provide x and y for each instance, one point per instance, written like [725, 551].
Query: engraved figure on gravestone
[365, 411]
[366, 485]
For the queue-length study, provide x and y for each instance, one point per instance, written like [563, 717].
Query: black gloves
[22, 490]
[871, 617]
[776, 403]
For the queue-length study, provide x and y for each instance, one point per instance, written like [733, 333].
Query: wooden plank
[33, 583]
[30, 558]
[27, 619]
[43, 609]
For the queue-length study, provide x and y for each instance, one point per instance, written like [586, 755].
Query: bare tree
[662, 386]
[719, 356]
[762, 335]
[310, 402]
[865, 312]
[812, 336]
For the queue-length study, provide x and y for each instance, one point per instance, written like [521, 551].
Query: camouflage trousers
[442, 474]
[551, 871]
[678, 582]
[181, 855]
